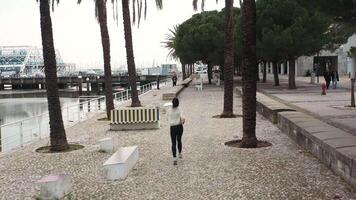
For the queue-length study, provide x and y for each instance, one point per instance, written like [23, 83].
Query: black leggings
[176, 136]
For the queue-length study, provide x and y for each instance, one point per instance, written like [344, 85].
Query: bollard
[323, 89]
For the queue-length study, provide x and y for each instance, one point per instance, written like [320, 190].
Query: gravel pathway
[208, 170]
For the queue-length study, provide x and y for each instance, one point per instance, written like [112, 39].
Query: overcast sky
[77, 33]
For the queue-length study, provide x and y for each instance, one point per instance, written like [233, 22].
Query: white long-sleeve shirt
[175, 116]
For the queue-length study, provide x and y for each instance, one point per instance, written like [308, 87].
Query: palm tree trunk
[57, 132]
[353, 92]
[249, 85]
[135, 102]
[291, 75]
[183, 71]
[105, 41]
[228, 60]
[264, 80]
[209, 72]
[275, 73]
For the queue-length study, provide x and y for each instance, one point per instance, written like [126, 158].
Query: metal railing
[23, 132]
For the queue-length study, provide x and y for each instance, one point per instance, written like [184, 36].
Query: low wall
[332, 146]
[267, 106]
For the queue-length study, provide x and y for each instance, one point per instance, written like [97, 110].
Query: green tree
[288, 30]
[58, 137]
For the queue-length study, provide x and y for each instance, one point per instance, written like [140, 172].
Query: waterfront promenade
[208, 170]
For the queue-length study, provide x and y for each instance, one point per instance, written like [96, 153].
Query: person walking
[174, 79]
[335, 78]
[176, 121]
[327, 78]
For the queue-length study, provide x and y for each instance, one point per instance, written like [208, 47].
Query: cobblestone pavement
[208, 170]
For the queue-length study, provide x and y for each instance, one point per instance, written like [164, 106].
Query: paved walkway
[208, 170]
[307, 98]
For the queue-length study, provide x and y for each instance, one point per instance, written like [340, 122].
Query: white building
[27, 60]
[336, 60]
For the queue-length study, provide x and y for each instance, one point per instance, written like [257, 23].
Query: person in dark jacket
[335, 78]
[174, 79]
[327, 78]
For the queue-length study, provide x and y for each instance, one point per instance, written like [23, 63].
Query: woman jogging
[176, 121]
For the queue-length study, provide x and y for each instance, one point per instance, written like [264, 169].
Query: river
[14, 132]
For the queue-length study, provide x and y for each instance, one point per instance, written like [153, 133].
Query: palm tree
[58, 137]
[100, 14]
[135, 102]
[229, 60]
[249, 71]
[352, 54]
[169, 44]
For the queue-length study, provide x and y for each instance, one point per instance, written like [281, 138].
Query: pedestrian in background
[174, 79]
[327, 78]
[335, 78]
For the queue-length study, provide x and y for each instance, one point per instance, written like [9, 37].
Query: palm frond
[159, 4]
[202, 5]
[145, 13]
[169, 43]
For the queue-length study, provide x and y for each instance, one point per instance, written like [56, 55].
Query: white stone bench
[135, 118]
[118, 166]
[108, 145]
[55, 186]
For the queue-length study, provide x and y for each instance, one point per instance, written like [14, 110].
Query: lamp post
[97, 85]
[88, 85]
[80, 88]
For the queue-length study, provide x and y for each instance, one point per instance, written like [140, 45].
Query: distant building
[27, 61]
[164, 69]
[151, 71]
[168, 69]
[337, 60]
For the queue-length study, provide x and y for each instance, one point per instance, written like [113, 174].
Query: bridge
[96, 83]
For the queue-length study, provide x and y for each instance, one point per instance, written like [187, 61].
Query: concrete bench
[185, 82]
[108, 144]
[118, 166]
[174, 91]
[135, 118]
[55, 186]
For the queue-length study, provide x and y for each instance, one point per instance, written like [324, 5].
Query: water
[15, 134]
[16, 109]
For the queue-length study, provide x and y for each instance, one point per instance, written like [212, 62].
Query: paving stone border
[334, 147]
